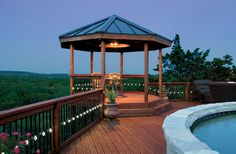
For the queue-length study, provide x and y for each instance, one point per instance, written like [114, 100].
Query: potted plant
[165, 92]
[111, 107]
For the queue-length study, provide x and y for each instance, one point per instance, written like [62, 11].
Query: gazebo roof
[113, 29]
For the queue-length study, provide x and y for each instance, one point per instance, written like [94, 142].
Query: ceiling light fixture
[116, 45]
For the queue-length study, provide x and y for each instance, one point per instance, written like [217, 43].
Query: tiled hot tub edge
[176, 127]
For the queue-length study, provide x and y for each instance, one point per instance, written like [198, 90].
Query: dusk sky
[29, 30]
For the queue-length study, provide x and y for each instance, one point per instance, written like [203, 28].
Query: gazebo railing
[175, 90]
[135, 83]
[86, 82]
[52, 124]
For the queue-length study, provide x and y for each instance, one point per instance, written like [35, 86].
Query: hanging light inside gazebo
[116, 45]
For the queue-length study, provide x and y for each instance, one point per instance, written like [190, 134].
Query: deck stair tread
[152, 108]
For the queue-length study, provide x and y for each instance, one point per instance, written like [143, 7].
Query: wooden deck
[125, 135]
[135, 97]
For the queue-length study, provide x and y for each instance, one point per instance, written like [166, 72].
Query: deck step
[140, 105]
[150, 109]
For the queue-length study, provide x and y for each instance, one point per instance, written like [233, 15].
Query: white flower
[35, 137]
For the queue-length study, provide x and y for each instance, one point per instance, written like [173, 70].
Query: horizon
[30, 36]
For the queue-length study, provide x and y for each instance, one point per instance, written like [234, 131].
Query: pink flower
[16, 150]
[3, 136]
[15, 133]
[22, 142]
[28, 134]
[38, 151]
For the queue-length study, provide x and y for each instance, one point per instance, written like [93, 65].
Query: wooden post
[121, 64]
[103, 65]
[146, 72]
[91, 62]
[187, 87]
[56, 128]
[160, 73]
[102, 99]
[71, 69]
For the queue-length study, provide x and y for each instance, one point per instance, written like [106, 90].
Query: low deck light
[43, 133]
[50, 130]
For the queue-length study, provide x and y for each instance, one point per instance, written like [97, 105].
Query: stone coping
[176, 127]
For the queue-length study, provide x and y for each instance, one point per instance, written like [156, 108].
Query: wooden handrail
[43, 104]
[85, 75]
[98, 75]
[132, 76]
[50, 117]
[170, 83]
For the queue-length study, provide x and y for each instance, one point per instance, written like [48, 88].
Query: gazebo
[114, 34]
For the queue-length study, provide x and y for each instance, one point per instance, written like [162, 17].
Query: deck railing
[175, 90]
[86, 82]
[135, 83]
[53, 123]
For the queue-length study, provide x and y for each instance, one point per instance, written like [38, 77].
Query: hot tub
[177, 127]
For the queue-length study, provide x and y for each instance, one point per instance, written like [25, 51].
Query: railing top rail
[98, 75]
[85, 75]
[44, 104]
[132, 76]
[171, 83]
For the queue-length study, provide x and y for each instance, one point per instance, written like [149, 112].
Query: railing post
[56, 129]
[187, 87]
[160, 73]
[71, 69]
[102, 100]
[146, 60]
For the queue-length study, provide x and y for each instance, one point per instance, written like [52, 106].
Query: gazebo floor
[125, 135]
[132, 104]
[135, 98]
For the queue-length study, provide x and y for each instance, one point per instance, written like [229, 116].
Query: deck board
[137, 97]
[125, 135]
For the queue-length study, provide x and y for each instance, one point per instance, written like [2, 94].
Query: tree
[183, 66]
[192, 65]
[233, 74]
[221, 69]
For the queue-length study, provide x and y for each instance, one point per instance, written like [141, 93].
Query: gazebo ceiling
[118, 33]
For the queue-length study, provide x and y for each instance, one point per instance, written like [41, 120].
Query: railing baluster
[45, 120]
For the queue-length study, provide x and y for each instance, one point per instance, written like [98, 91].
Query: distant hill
[23, 73]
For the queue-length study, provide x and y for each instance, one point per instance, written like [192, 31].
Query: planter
[111, 111]
[165, 98]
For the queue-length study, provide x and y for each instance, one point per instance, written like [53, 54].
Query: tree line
[186, 66]
[18, 90]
